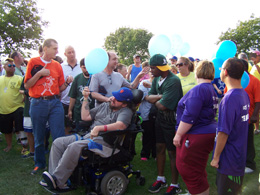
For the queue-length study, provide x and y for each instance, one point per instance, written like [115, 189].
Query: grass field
[15, 177]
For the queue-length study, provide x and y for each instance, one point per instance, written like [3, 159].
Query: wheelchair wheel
[114, 182]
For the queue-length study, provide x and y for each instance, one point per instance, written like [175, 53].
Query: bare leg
[30, 142]
[8, 138]
[174, 171]
[160, 158]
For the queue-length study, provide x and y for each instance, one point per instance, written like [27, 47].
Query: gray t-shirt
[104, 115]
[105, 84]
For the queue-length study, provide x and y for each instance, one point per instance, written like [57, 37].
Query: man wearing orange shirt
[45, 80]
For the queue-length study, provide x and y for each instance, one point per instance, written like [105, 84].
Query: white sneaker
[248, 170]
[186, 193]
[257, 131]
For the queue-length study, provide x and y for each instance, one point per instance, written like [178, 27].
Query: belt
[49, 97]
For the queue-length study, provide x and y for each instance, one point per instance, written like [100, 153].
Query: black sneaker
[28, 155]
[37, 170]
[156, 187]
[171, 190]
[50, 180]
[43, 183]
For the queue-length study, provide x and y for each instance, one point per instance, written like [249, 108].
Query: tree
[127, 42]
[20, 26]
[246, 35]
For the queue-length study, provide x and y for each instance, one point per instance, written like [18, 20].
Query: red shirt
[48, 85]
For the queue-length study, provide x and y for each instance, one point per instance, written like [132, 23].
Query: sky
[85, 24]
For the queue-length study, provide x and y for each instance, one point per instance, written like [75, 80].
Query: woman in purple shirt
[196, 130]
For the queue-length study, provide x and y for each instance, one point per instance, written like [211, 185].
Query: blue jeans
[42, 111]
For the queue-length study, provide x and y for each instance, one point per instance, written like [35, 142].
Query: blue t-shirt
[233, 120]
[135, 71]
[221, 85]
[198, 107]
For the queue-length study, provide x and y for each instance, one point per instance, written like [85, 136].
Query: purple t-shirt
[198, 107]
[233, 120]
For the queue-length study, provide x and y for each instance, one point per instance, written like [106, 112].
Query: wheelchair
[111, 175]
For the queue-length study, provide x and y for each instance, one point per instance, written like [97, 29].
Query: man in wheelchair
[66, 151]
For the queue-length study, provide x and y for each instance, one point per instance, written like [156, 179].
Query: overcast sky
[85, 24]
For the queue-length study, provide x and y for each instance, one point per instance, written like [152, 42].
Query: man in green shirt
[80, 81]
[165, 93]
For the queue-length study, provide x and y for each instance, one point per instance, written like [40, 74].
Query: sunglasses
[109, 79]
[11, 65]
[180, 64]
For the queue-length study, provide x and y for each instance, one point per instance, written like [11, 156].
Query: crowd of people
[181, 97]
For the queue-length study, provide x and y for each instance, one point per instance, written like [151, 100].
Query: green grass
[15, 177]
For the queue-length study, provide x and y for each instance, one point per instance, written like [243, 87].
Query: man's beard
[114, 107]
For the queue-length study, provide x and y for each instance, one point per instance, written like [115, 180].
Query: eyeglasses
[180, 64]
[11, 65]
[109, 79]
[221, 68]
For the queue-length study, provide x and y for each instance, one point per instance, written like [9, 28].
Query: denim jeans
[42, 111]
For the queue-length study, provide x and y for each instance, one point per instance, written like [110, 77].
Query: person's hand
[253, 119]
[219, 91]
[70, 115]
[214, 163]
[44, 72]
[110, 99]
[85, 92]
[177, 140]
[144, 71]
[69, 79]
[94, 132]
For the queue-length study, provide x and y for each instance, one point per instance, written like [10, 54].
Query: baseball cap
[256, 52]
[160, 62]
[197, 59]
[136, 55]
[173, 58]
[191, 59]
[123, 94]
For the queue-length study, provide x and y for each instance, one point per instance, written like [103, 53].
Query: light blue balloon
[177, 42]
[96, 60]
[245, 80]
[217, 65]
[227, 49]
[185, 48]
[159, 44]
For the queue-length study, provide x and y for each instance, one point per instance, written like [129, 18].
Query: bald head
[71, 55]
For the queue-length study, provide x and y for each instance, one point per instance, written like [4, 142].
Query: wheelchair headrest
[137, 96]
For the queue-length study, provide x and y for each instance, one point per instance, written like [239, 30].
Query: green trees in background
[20, 26]
[246, 35]
[126, 42]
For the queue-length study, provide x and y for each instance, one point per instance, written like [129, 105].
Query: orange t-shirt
[48, 85]
[253, 92]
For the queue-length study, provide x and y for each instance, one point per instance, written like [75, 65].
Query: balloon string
[89, 80]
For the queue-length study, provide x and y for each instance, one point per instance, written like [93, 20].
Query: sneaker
[171, 190]
[28, 155]
[50, 180]
[248, 170]
[257, 131]
[36, 170]
[144, 159]
[24, 151]
[43, 183]
[156, 187]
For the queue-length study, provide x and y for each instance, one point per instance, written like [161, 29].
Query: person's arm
[66, 84]
[221, 142]
[85, 114]
[217, 89]
[110, 127]
[129, 72]
[183, 128]
[253, 118]
[136, 81]
[71, 106]
[99, 97]
[31, 82]
[153, 98]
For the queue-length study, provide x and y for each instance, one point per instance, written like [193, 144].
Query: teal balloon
[96, 60]
[217, 65]
[227, 49]
[245, 80]
[184, 49]
[177, 42]
[159, 44]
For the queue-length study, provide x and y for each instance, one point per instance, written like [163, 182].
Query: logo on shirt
[47, 85]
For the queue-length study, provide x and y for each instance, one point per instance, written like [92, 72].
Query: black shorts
[228, 184]
[68, 122]
[9, 121]
[165, 132]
